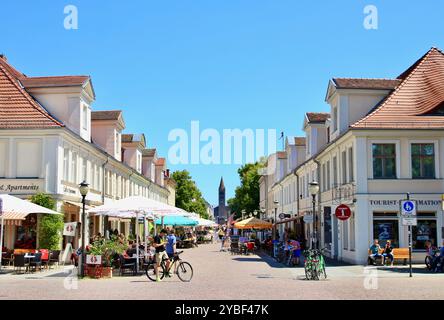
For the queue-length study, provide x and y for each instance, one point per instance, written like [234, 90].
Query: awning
[288, 220]
[79, 204]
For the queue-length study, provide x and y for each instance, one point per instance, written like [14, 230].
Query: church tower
[222, 211]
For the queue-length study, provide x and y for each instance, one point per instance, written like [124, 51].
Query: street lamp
[313, 188]
[276, 204]
[84, 189]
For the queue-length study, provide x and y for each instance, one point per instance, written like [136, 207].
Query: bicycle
[314, 264]
[183, 269]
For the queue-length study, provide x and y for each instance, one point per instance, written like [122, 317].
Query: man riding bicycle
[159, 245]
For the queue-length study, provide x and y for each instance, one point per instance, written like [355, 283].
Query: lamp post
[276, 204]
[84, 189]
[313, 188]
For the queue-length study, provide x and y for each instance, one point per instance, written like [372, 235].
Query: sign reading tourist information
[408, 212]
[343, 212]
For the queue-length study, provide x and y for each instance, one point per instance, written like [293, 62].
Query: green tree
[50, 225]
[188, 195]
[246, 196]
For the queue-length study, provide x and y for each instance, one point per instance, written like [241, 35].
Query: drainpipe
[104, 218]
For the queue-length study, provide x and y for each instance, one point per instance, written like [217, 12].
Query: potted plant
[106, 249]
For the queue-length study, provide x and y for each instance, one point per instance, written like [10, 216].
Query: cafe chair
[20, 262]
[54, 257]
[36, 262]
[126, 265]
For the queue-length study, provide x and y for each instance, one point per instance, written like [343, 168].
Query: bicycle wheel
[307, 272]
[151, 273]
[428, 262]
[185, 271]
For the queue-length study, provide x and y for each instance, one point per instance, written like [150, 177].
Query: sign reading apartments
[19, 186]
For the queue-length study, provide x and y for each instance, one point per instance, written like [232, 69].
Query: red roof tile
[410, 105]
[160, 162]
[106, 115]
[17, 108]
[59, 81]
[353, 83]
[317, 116]
[299, 141]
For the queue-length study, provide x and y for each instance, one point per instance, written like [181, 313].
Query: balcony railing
[343, 193]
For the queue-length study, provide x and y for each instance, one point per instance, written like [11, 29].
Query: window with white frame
[345, 235]
[328, 175]
[384, 160]
[350, 165]
[84, 169]
[66, 164]
[335, 171]
[344, 166]
[423, 160]
[73, 167]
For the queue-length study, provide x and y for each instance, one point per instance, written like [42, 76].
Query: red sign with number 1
[343, 212]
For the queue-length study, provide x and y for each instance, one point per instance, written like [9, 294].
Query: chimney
[2, 55]
[167, 173]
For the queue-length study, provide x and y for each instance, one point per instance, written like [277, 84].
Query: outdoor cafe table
[28, 259]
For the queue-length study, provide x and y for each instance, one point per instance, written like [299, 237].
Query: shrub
[50, 226]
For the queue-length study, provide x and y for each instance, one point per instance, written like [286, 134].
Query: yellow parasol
[253, 223]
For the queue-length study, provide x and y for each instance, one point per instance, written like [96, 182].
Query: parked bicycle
[314, 264]
[183, 269]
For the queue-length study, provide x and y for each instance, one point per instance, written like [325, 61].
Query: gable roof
[17, 108]
[148, 152]
[410, 105]
[299, 141]
[356, 83]
[106, 115]
[317, 117]
[56, 81]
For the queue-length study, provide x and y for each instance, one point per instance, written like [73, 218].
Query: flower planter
[98, 272]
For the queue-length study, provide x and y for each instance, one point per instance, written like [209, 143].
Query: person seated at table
[132, 249]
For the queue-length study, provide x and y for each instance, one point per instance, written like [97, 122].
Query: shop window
[424, 231]
[384, 161]
[423, 161]
[384, 230]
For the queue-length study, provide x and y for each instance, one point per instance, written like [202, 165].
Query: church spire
[221, 185]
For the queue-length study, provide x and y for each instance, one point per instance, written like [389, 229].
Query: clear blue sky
[229, 64]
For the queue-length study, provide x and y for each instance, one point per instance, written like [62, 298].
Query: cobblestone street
[220, 275]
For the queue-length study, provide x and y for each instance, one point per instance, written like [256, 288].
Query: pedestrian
[374, 252]
[171, 245]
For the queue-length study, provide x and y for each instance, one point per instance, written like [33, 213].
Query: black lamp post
[276, 204]
[84, 189]
[314, 189]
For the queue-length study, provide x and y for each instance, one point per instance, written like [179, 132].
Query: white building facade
[51, 140]
[381, 140]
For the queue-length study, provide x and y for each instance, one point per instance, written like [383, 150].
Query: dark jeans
[438, 260]
[389, 255]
